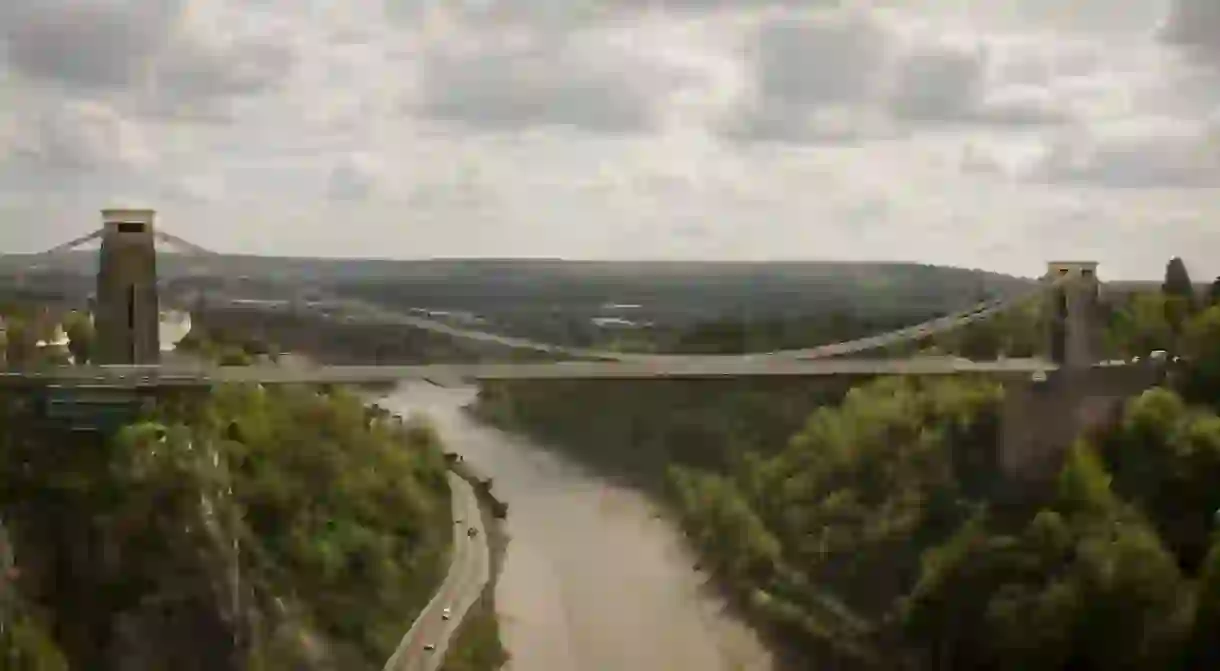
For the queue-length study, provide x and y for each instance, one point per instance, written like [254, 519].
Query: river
[593, 580]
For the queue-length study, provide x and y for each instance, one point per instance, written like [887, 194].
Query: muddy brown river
[593, 580]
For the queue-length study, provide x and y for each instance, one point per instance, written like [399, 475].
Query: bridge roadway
[451, 374]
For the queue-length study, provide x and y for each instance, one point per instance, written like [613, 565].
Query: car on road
[446, 614]
[429, 647]
[472, 532]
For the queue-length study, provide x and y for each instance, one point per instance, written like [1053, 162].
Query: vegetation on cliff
[252, 528]
[876, 532]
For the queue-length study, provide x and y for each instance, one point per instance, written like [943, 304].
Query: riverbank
[594, 577]
[655, 428]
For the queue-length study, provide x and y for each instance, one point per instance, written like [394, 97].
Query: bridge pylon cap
[114, 218]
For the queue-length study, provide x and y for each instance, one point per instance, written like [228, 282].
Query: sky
[995, 135]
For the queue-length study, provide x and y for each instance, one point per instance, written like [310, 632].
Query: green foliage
[20, 343]
[353, 519]
[25, 645]
[1142, 326]
[79, 330]
[1201, 345]
[234, 356]
[1177, 281]
[879, 534]
[1203, 651]
[1179, 294]
[295, 523]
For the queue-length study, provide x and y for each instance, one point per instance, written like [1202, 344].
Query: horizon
[86, 252]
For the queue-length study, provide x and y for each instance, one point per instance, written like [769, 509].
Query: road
[468, 573]
[692, 367]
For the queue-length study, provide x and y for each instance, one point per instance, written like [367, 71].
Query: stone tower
[127, 314]
[1073, 314]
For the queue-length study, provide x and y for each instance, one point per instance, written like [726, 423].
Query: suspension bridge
[1048, 401]
[127, 311]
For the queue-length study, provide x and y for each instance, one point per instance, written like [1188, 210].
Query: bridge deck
[683, 368]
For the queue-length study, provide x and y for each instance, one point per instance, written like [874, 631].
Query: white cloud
[951, 132]
[83, 136]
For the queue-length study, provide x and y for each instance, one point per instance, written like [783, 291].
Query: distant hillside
[514, 289]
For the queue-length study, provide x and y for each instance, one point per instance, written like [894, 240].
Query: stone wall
[1041, 420]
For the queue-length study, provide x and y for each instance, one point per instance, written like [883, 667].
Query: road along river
[593, 579]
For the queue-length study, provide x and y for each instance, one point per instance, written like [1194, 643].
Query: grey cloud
[197, 78]
[95, 44]
[1194, 23]
[1021, 106]
[350, 180]
[938, 83]
[778, 121]
[82, 137]
[807, 64]
[143, 46]
[550, 83]
[567, 12]
[714, 5]
[832, 58]
[1170, 154]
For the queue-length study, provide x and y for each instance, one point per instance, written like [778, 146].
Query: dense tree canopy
[256, 528]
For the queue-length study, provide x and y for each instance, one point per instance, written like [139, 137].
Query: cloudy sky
[993, 133]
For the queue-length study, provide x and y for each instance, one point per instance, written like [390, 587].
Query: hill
[566, 301]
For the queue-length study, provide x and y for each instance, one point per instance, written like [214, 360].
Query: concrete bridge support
[127, 313]
[1042, 418]
[1074, 329]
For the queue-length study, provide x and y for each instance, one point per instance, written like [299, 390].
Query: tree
[80, 334]
[20, 347]
[1177, 280]
[1201, 345]
[1179, 294]
[1143, 326]
[1213, 294]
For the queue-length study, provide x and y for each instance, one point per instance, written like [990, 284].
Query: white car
[446, 614]
[429, 647]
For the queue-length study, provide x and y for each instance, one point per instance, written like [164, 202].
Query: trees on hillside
[274, 518]
[879, 533]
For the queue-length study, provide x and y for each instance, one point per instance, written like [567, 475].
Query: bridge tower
[1074, 334]
[127, 312]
